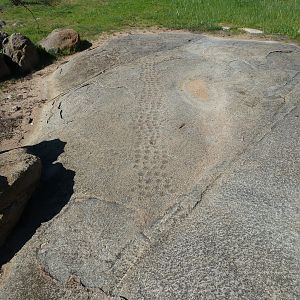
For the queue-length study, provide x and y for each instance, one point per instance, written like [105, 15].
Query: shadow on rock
[53, 193]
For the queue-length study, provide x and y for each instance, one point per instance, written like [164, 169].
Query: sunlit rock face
[166, 134]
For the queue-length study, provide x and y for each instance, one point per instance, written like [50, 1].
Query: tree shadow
[53, 193]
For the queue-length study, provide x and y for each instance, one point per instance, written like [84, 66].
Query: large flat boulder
[186, 153]
[19, 176]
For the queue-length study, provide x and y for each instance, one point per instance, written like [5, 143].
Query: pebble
[16, 108]
[252, 30]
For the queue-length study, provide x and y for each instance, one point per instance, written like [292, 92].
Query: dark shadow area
[46, 58]
[3, 183]
[84, 45]
[53, 193]
[13, 67]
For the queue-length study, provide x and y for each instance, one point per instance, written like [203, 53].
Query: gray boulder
[19, 175]
[4, 69]
[22, 51]
[61, 39]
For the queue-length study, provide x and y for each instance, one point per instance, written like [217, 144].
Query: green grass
[92, 17]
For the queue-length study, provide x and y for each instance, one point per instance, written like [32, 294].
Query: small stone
[252, 30]
[225, 28]
[61, 39]
[16, 108]
[17, 24]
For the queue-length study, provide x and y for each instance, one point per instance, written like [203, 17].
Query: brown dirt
[197, 88]
[20, 103]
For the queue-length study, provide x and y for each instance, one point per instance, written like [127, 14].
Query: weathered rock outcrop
[186, 154]
[61, 39]
[19, 175]
[22, 51]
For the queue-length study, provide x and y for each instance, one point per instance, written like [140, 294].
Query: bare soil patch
[20, 101]
[197, 88]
